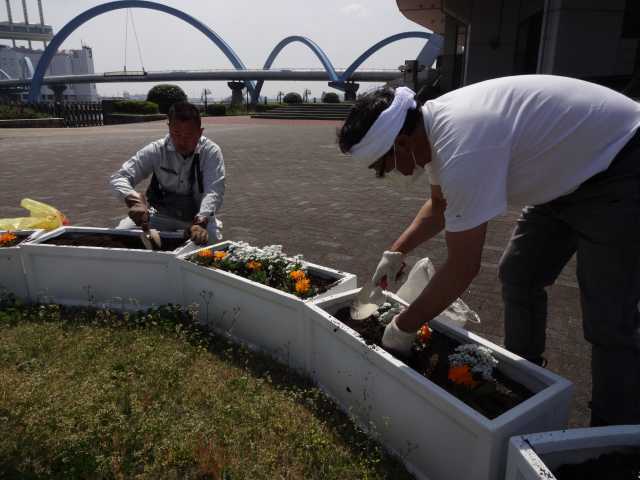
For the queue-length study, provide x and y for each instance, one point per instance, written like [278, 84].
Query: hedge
[138, 107]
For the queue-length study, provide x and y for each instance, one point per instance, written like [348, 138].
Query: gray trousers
[600, 222]
[169, 224]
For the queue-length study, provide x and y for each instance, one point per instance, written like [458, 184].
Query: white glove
[390, 266]
[397, 340]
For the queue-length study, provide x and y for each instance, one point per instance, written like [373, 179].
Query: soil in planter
[490, 399]
[108, 240]
[609, 466]
[20, 237]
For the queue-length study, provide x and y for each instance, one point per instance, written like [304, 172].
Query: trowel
[367, 301]
[150, 237]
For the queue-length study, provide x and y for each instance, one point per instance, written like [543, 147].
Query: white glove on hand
[390, 266]
[397, 340]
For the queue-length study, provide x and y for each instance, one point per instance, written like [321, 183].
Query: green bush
[331, 97]
[261, 107]
[216, 109]
[165, 95]
[139, 107]
[10, 112]
[292, 97]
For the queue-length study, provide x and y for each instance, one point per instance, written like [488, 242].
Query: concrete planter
[532, 457]
[12, 276]
[435, 434]
[123, 278]
[266, 319]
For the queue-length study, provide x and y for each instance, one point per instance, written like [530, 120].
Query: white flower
[480, 359]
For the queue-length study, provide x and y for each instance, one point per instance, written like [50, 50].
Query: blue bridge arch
[69, 28]
[336, 81]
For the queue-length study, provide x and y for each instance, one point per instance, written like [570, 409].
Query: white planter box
[265, 318]
[12, 277]
[532, 457]
[123, 278]
[436, 435]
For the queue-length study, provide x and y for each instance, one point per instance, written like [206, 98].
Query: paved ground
[287, 184]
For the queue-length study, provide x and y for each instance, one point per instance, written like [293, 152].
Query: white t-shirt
[526, 139]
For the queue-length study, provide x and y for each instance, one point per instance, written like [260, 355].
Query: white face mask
[401, 181]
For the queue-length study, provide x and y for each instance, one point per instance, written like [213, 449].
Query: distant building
[20, 62]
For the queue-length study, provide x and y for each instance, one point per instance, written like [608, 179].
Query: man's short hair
[365, 112]
[184, 112]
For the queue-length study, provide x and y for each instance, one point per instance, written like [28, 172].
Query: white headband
[380, 137]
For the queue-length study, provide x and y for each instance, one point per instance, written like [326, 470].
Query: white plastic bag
[457, 314]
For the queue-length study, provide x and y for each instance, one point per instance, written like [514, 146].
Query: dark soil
[20, 237]
[610, 466]
[322, 284]
[491, 400]
[108, 240]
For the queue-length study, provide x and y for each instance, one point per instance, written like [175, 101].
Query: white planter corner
[123, 278]
[265, 318]
[436, 435]
[533, 457]
[12, 276]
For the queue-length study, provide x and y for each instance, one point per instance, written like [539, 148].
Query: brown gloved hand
[138, 211]
[198, 230]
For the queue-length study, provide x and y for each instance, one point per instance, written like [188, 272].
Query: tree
[165, 95]
[331, 97]
[292, 97]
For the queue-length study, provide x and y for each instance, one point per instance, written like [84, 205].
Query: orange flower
[298, 275]
[461, 375]
[205, 253]
[253, 265]
[7, 237]
[219, 255]
[303, 285]
[424, 334]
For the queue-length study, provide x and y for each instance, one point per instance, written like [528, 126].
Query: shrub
[292, 97]
[139, 107]
[10, 112]
[165, 95]
[331, 97]
[216, 109]
[261, 107]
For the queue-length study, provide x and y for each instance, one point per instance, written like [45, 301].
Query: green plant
[261, 107]
[94, 393]
[139, 107]
[331, 97]
[165, 95]
[10, 112]
[216, 109]
[292, 98]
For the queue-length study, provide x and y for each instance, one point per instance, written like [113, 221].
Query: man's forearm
[427, 224]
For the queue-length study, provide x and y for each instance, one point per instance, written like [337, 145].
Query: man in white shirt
[187, 180]
[567, 148]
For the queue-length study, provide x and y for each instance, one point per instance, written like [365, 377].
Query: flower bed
[467, 371]
[602, 452]
[251, 309]
[89, 266]
[438, 435]
[12, 277]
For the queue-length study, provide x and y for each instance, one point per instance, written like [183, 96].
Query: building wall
[69, 62]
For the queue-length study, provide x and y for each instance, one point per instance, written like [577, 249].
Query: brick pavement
[287, 184]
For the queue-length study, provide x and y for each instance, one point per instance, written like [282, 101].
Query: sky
[343, 29]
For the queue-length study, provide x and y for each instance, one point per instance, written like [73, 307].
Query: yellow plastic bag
[42, 216]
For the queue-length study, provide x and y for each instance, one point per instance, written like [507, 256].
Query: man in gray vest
[187, 180]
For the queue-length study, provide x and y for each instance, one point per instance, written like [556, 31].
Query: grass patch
[94, 394]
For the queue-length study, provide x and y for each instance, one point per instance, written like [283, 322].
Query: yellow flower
[6, 238]
[254, 265]
[219, 255]
[205, 253]
[303, 285]
[461, 375]
[297, 275]
[424, 334]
